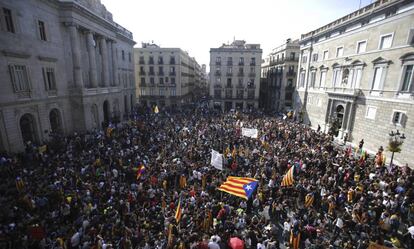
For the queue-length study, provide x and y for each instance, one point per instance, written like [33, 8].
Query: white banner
[216, 160]
[249, 132]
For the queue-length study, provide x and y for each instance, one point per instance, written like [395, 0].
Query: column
[93, 77]
[350, 116]
[114, 63]
[328, 111]
[344, 120]
[105, 62]
[76, 56]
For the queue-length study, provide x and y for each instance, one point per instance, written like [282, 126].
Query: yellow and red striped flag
[19, 184]
[239, 186]
[309, 200]
[178, 212]
[288, 177]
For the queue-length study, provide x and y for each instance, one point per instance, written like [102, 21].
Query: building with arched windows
[356, 76]
[65, 66]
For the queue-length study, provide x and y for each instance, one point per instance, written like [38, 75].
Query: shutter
[403, 119]
[44, 78]
[12, 77]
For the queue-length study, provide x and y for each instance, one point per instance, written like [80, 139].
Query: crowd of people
[120, 188]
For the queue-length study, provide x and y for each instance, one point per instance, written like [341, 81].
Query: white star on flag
[248, 187]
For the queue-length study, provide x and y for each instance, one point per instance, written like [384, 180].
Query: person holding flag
[239, 186]
[140, 171]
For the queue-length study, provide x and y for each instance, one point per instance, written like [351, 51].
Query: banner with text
[249, 132]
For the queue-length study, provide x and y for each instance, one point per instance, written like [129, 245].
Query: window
[151, 60]
[252, 61]
[218, 61]
[172, 60]
[152, 81]
[42, 30]
[129, 57]
[312, 79]
[292, 55]
[361, 47]
[166, 79]
[142, 81]
[325, 55]
[229, 61]
[49, 79]
[123, 55]
[161, 80]
[229, 70]
[172, 81]
[160, 60]
[141, 60]
[304, 59]
[161, 92]
[355, 77]
[143, 91]
[339, 52]
[173, 92]
[151, 70]
[19, 78]
[315, 57]
[336, 77]
[385, 41]
[160, 71]
[376, 84]
[302, 79]
[8, 20]
[241, 61]
[398, 118]
[322, 80]
[411, 37]
[407, 79]
[172, 70]
[371, 112]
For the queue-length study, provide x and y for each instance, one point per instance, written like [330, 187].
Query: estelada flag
[178, 212]
[288, 178]
[141, 170]
[239, 186]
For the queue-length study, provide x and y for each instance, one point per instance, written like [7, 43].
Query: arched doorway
[55, 121]
[95, 116]
[28, 128]
[106, 112]
[340, 115]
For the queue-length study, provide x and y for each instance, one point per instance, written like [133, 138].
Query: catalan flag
[141, 170]
[288, 178]
[178, 212]
[294, 239]
[309, 198]
[239, 186]
[19, 184]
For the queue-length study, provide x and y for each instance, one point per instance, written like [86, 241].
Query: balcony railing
[172, 62]
[290, 73]
[241, 63]
[217, 86]
[252, 63]
[229, 86]
[142, 73]
[229, 74]
[240, 86]
[161, 73]
[151, 73]
[250, 86]
[151, 62]
[160, 62]
[217, 73]
[229, 63]
[141, 62]
[172, 73]
[252, 74]
[240, 74]
[218, 63]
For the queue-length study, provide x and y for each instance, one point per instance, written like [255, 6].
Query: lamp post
[395, 142]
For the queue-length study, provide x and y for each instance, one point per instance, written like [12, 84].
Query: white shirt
[213, 245]
[286, 226]
[339, 223]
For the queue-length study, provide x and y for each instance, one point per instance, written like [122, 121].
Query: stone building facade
[356, 76]
[279, 71]
[235, 76]
[65, 66]
[165, 76]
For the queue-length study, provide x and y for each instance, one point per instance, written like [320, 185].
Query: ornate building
[356, 76]
[279, 71]
[166, 76]
[65, 66]
[235, 76]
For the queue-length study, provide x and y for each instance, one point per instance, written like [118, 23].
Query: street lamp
[395, 142]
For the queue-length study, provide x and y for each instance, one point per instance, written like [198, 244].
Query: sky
[196, 26]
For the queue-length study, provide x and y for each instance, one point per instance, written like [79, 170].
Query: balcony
[161, 73]
[240, 74]
[172, 73]
[290, 73]
[151, 62]
[151, 73]
[217, 86]
[172, 62]
[217, 73]
[251, 86]
[143, 84]
[142, 73]
[229, 63]
[229, 86]
[142, 62]
[241, 63]
[229, 74]
[218, 63]
[252, 63]
[252, 74]
[160, 62]
[240, 86]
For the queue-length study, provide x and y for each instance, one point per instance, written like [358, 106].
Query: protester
[123, 188]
